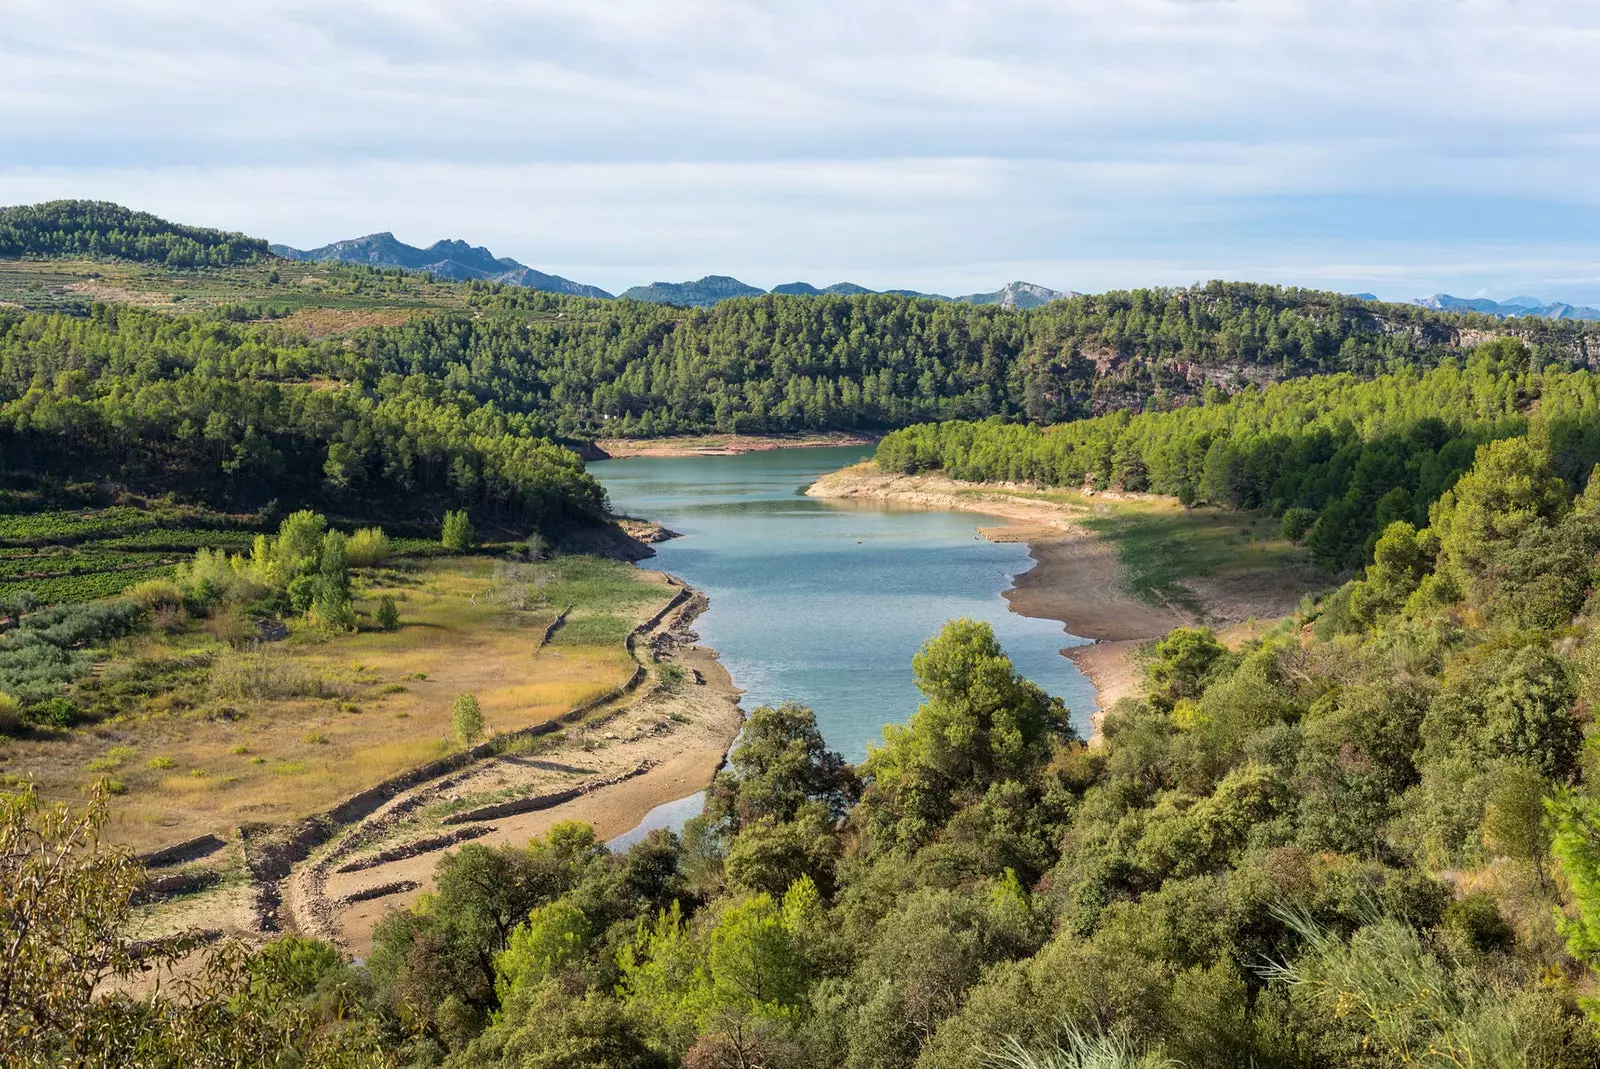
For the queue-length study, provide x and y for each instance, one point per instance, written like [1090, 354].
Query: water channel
[824, 602]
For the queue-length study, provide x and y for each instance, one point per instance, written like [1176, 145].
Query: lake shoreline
[716, 445]
[1076, 578]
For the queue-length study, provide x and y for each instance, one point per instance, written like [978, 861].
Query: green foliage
[47, 650]
[1407, 1001]
[98, 228]
[544, 1026]
[368, 548]
[236, 413]
[981, 722]
[466, 719]
[1575, 823]
[388, 615]
[1510, 490]
[1358, 454]
[1296, 522]
[555, 937]
[1178, 664]
[779, 766]
[66, 904]
[457, 533]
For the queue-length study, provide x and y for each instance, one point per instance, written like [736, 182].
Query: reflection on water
[824, 603]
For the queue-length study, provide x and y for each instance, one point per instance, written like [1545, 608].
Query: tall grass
[241, 675]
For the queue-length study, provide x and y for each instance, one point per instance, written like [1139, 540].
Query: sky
[1401, 147]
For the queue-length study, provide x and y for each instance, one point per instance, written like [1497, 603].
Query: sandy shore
[717, 445]
[1076, 577]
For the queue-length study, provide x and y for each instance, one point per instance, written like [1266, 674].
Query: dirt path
[1076, 577]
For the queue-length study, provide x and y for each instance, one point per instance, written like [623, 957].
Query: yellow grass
[262, 759]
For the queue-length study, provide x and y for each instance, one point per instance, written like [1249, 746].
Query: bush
[388, 613]
[57, 712]
[671, 676]
[367, 548]
[457, 533]
[156, 594]
[10, 714]
[1296, 522]
[467, 719]
[232, 627]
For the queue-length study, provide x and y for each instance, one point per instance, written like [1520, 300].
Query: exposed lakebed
[825, 602]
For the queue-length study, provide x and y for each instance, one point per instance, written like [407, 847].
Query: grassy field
[317, 299]
[198, 736]
[1165, 548]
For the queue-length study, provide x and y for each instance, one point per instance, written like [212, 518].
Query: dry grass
[334, 322]
[277, 753]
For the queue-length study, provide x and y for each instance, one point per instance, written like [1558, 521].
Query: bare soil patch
[710, 445]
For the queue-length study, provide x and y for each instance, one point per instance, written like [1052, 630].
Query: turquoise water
[825, 602]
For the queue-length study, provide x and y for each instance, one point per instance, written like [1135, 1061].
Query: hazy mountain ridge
[1513, 306]
[451, 259]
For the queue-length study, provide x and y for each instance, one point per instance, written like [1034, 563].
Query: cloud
[910, 142]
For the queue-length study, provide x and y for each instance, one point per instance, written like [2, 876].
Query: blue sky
[1401, 146]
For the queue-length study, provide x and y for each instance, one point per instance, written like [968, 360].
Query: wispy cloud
[934, 144]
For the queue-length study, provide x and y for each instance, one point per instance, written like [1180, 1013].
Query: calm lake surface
[825, 602]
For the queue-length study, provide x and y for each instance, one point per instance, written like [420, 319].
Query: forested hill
[242, 416]
[876, 362]
[98, 228]
[1338, 457]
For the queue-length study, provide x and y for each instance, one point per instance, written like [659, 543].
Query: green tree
[457, 533]
[779, 764]
[555, 936]
[388, 613]
[1509, 491]
[1575, 842]
[466, 718]
[1178, 665]
[981, 722]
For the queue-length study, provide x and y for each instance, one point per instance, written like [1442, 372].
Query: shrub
[671, 676]
[232, 627]
[367, 548]
[1296, 522]
[57, 712]
[467, 718]
[155, 764]
[457, 533]
[388, 613]
[10, 714]
[314, 738]
[332, 611]
[156, 593]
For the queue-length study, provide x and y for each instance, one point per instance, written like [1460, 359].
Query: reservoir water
[824, 602]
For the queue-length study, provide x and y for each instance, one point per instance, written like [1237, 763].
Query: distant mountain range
[460, 261]
[1515, 306]
[707, 291]
[446, 259]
